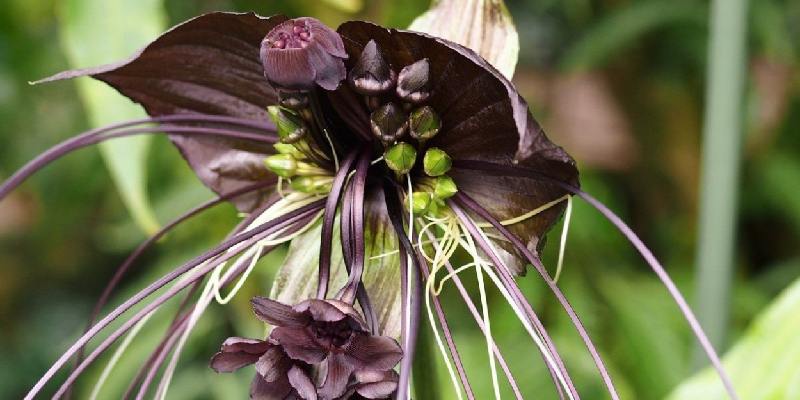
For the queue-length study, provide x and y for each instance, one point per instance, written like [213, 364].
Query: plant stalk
[721, 158]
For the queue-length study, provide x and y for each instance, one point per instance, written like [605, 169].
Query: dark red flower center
[332, 335]
[293, 36]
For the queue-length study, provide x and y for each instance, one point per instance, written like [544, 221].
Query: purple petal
[273, 364]
[328, 39]
[321, 310]
[373, 352]
[339, 371]
[238, 352]
[302, 383]
[377, 390]
[299, 344]
[229, 362]
[288, 68]
[276, 313]
[252, 346]
[263, 390]
[329, 71]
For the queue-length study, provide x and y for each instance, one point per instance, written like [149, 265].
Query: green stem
[722, 138]
[425, 377]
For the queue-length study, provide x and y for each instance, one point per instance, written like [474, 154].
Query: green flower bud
[424, 123]
[444, 187]
[291, 128]
[436, 162]
[283, 165]
[286, 148]
[312, 184]
[401, 157]
[437, 207]
[420, 201]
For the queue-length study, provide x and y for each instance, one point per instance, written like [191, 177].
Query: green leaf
[764, 363]
[96, 32]
[484, 26]
[297, 278]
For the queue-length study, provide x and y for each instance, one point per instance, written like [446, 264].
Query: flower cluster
[313, 336]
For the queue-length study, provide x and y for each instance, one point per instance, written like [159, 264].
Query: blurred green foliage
[618, 83]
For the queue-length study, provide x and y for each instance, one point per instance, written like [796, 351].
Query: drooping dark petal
[379, 353]
[207, 65]
[238, 352]
[376, 384]
[301, 53]
[338, 374]
[483, 118]
[276, 313]
[299, 344]
[302, 383]
[331, 311]
[263, 390]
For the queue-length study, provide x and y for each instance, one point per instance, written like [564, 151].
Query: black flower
[277, 376]
[329, 331]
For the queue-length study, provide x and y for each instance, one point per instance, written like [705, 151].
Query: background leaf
[484, 26]
[765, 362]
[115, 29]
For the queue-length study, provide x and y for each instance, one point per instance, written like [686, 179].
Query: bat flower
[377, 154]
[331, 332]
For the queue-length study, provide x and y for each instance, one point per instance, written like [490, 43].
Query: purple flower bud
[301, 53]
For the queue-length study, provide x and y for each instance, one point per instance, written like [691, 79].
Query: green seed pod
[424, 123]
[400, 157]
[444, 187]
[312, 184]
[291, 127]
[283, 165]
[436, 162]
[420, 201]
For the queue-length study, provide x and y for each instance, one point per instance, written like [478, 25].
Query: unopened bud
[283, 165]
[420, 201]
[388, 123]
[291, 128]
[436, 162]
[285, 148]
[445, 187]
[412, 83]
[312, 184]
[424, 123]
[401, 158]
[371, 75]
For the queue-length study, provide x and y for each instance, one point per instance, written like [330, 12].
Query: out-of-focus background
[620, 84]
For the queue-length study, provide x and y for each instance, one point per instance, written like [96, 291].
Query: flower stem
[425, 376]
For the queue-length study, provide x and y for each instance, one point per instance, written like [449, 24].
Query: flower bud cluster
[305, 177]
